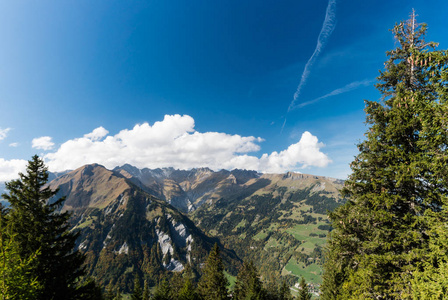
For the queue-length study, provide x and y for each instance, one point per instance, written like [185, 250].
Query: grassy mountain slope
[126, 232]
[281, 225]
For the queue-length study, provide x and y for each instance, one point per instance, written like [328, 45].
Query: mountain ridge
[125, 232]
[137, 222]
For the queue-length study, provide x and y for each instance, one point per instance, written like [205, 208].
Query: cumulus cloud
[43, 143]
[4, 133]
[14, 145]
[97, 134]
[9, 169]
[174, 142]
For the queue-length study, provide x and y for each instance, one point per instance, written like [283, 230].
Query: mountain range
[153, 222]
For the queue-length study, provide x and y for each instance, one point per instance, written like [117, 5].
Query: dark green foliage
[163, 291]
[248, 284]
[325, 227]
[16, 278]
[272, 291]
[284, 292]
[90, 291]
[188, 291]
[304, 294]
[176, 284]
[109, 294]
[146, 293]
[37, 225]
[213, 283]
[118, 296]
[320, 203]
[137, 294]
[388, 236]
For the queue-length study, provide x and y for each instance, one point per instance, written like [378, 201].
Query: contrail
[347, 88]
[325, 32]
[283, 126]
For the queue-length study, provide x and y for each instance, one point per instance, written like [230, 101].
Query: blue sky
[194, 83]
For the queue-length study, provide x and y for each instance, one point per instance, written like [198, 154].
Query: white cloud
[173, 142]
[97, 134]
[43, 143]
[9, 169]
[4, 133]
[14, 145]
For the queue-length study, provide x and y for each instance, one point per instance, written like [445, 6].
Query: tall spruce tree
[284, 292]
[304, 293]
[163, 291]
[38, 226]
[213, 283]
[248, 284]
[396, 213]
[188, 291]
[137, 293]
[146, 291]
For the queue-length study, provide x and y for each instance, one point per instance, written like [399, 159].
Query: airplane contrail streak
[347, 88]
[283, 126]
[327, 28]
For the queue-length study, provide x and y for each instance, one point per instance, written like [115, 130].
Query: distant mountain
[127, 232]
[188, 189]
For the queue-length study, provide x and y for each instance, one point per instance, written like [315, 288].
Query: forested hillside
[281, 227]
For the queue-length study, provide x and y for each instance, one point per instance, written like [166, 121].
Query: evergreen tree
[248, 284]
[109, 295]
[90, 291]
[146, 292]
[38, 226]
[176, 285]
[284, 291]
[16, 281]
[386, 232]
[273, 291]
[304, 294]
[163, 291]
[137, 294]
[213, 283]
[188, 291]
[118, 296]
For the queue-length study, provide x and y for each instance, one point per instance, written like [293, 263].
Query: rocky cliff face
[127, 232]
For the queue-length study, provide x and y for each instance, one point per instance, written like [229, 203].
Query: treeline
[213, 284]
